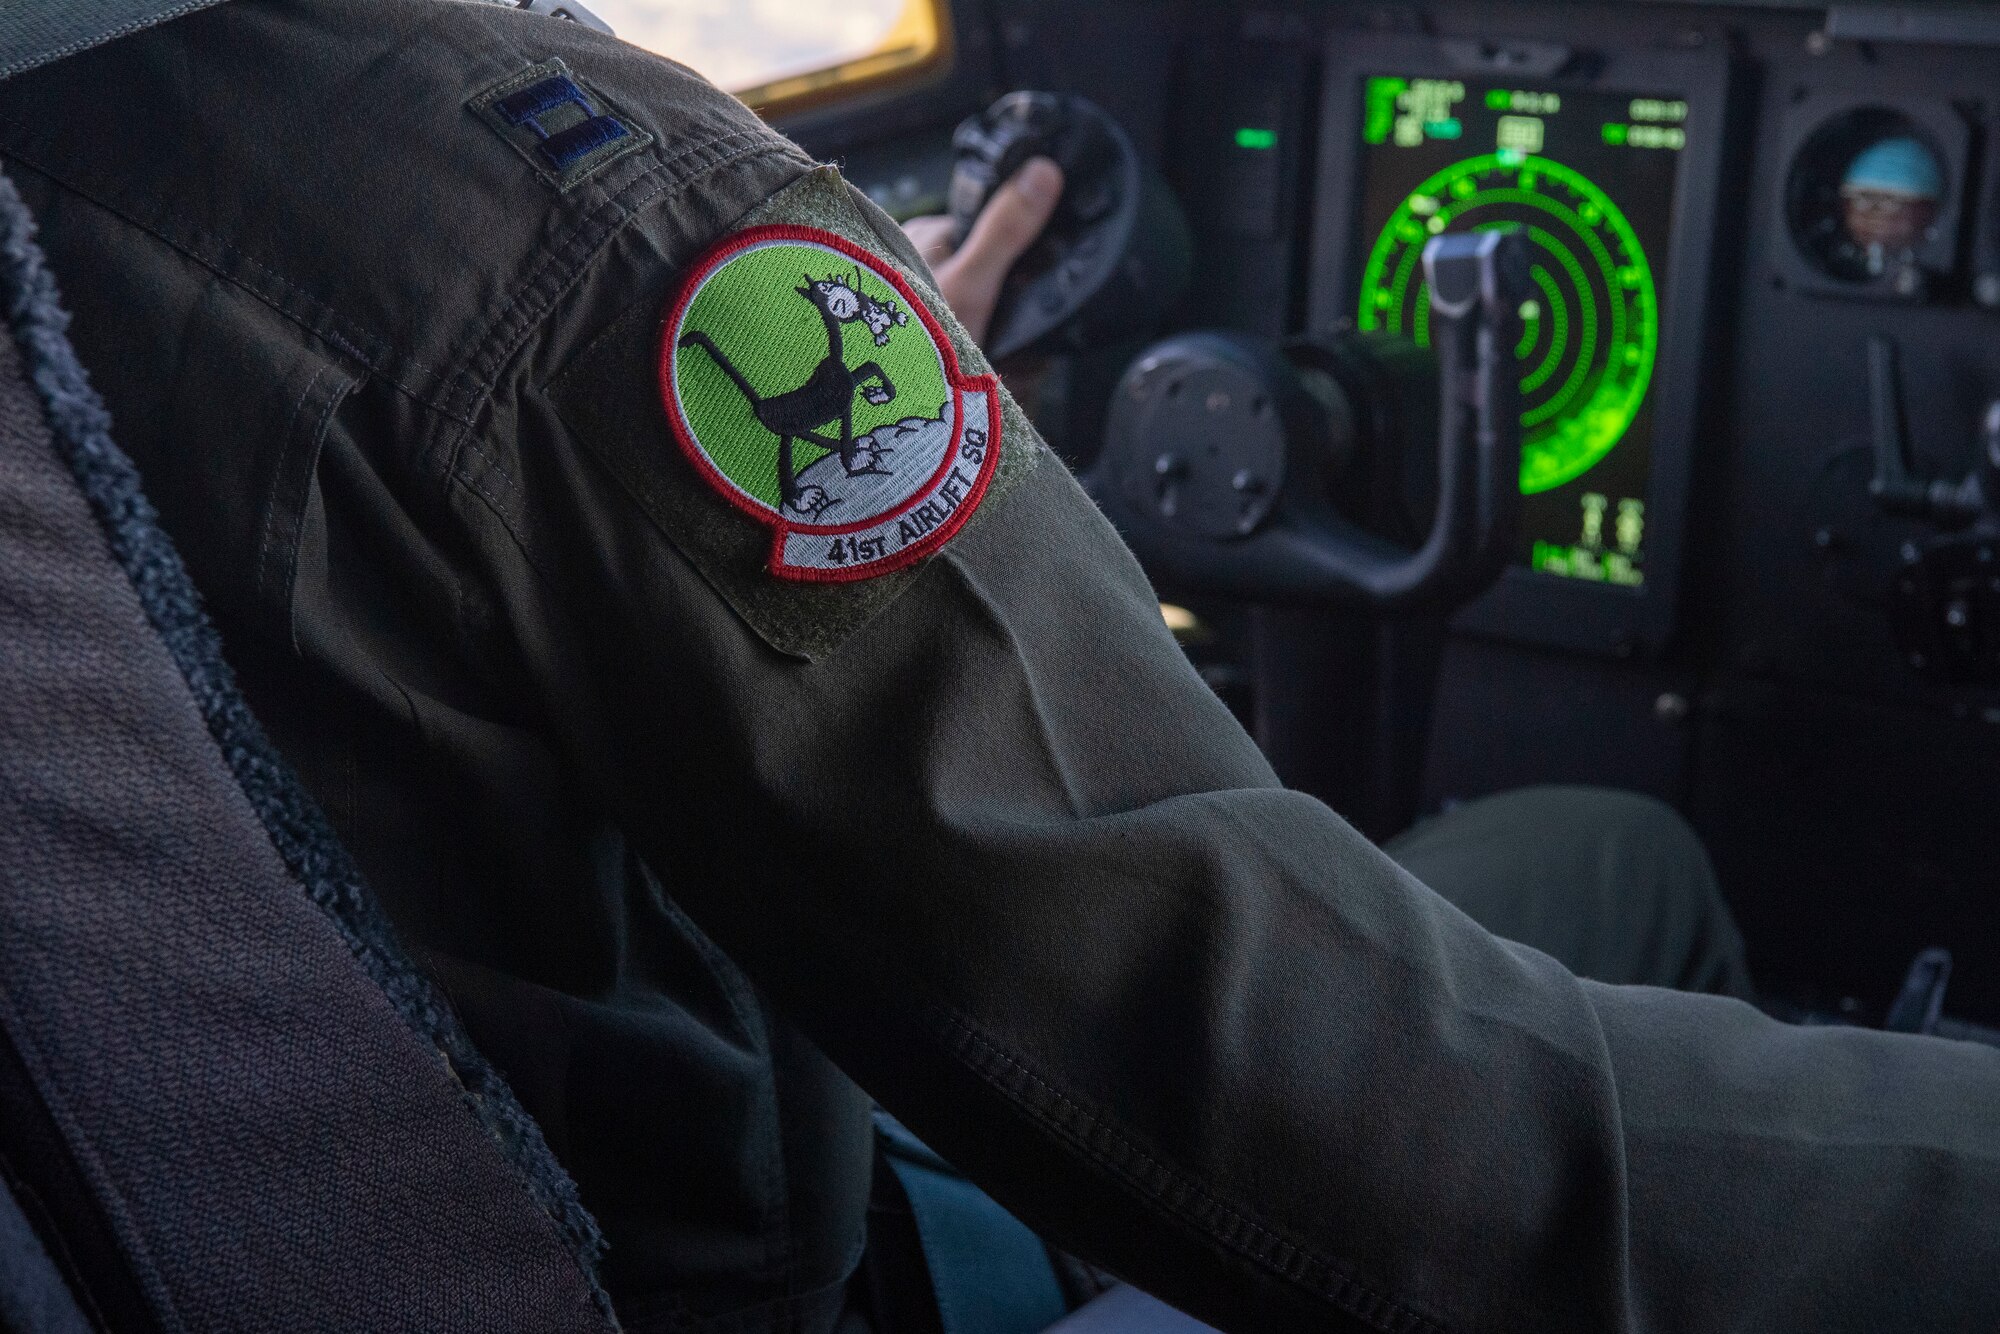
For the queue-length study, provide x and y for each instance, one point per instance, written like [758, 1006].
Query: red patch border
[712, 259]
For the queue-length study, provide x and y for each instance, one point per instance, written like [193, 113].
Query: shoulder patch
[683, 439]
[813, 389]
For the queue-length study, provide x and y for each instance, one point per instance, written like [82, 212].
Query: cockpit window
[783, 55]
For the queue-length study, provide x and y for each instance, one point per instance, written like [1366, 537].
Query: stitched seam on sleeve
[1167, 1191]
[269, 527]
[573, 256]
[518, 318]
[1044, 733]
[79, 44]
[453, 395]
[290, 302]
[507, 525]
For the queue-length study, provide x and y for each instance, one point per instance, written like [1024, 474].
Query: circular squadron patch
[813, 390]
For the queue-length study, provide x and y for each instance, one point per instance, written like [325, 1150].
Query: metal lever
[1895, 487]
[1917, 1007]
[1944, 603]
[1221, 449]
[1476, 280]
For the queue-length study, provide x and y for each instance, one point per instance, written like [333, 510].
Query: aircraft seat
[228, 1100]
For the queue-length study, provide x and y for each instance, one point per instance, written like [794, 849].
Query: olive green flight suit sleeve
[988, 838]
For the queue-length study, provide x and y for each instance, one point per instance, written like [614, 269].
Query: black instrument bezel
[1525, 605]
[1941, 127]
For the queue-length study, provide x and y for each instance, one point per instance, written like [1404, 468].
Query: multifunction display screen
[1589, 179]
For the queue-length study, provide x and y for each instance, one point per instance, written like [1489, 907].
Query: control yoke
[1222, 451]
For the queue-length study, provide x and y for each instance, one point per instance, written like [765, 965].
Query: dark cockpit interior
[1752, 569]
[1598, 397]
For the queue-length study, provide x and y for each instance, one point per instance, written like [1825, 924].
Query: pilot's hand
[970, 275]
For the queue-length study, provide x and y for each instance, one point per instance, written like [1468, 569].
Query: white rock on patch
[907, 452]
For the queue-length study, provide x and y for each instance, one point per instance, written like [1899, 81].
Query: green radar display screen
[1588, 177]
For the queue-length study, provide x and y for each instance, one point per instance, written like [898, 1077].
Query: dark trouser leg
[1613, 885]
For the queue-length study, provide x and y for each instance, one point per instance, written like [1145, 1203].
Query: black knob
[1225, 422]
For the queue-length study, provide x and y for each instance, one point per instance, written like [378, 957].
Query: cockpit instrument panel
[1588, 179]
[1593, 159]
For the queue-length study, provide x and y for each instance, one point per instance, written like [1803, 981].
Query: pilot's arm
[978, 826]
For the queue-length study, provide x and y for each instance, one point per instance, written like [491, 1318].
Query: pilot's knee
[1643, 826]
[1637, 841]
[1654, 864]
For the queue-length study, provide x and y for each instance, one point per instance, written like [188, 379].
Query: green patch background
[775, 337]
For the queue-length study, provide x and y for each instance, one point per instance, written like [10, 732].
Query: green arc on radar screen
[1590, 331]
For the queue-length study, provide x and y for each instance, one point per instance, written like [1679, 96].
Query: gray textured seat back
[35, 32]
[33, 1294]
[227, 1100]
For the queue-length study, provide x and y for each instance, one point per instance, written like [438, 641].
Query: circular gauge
[1591, 332]
[1864, 196]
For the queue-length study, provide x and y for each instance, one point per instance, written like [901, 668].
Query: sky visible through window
[743, 44]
